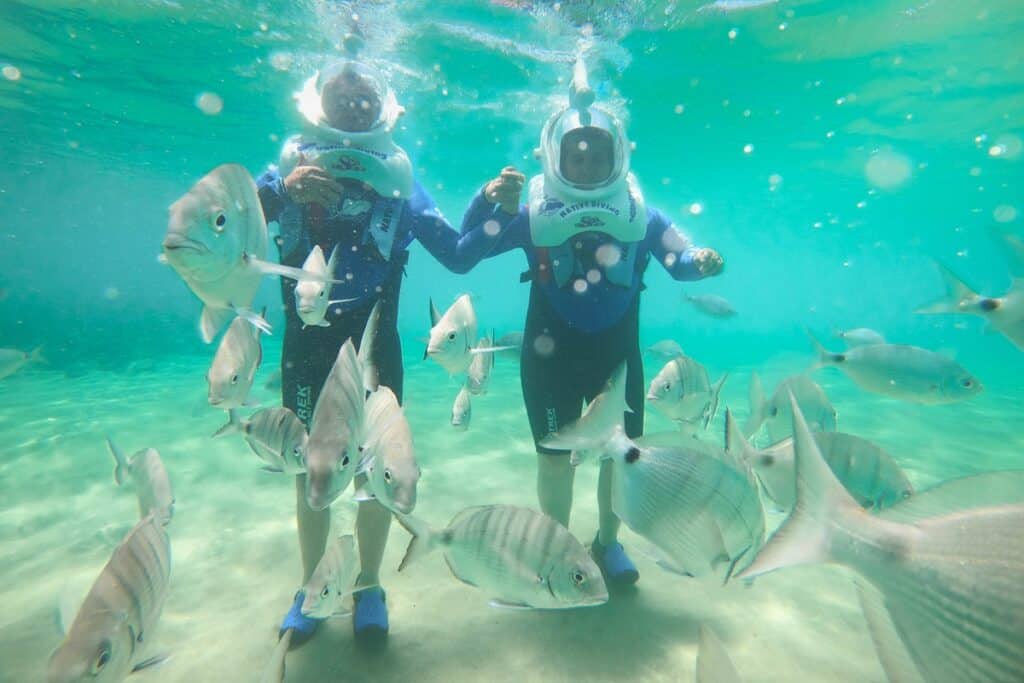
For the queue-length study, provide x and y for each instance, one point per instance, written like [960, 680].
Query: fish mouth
[175, 242]
[214, 401]
[652, 397]
[305, 310]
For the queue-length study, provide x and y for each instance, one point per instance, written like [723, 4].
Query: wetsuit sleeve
[487, 219]
[671, 247]
[456, 252]
[273, 198]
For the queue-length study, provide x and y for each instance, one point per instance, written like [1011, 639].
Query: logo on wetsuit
[304, 403]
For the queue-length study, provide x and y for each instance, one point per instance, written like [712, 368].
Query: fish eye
[967, 382]
[234, 379]
[102, 658]
[451, 336]
[668, 385]
[387, 476]
[577, 577]
[344, 461]
[325, 592]
[323, 293]
[219, 222]
[906, 494]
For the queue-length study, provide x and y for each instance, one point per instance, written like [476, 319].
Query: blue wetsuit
[309, 353]
[577, 333]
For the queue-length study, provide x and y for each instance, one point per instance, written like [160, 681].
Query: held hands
[505, 189]
[708, 261]
[312, 185]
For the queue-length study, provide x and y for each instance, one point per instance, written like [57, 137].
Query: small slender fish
[479, 373]
[335, 432]
[870, 474]
[941, 581]
[712, 305]
[276, 435]
[713, 663]
[462, 410]
[682, 391]
[453, 341]
[12, 360]
[908, 373]
[521, 557]
[108, 637]
[1004, 314]
[234, 366]
[312, 293]
[388, 455]
[666, 349]
[332, 580]
[774, 412]
[148, 474]
[860, 336]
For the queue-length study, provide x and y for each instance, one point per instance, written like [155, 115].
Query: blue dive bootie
[614, 564]
[302, 627]
[370, 617]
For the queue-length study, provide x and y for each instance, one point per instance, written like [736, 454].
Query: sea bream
[479, 373]
[108, 637]
[1004, 314]
[332, 580]
[312, 293]
[600, 421]
[276, 435]
[869, 473]
[682, 391]
[519, 556]
[453, 343]
[908, 373]
[712, 305]
[940, 574]
[149, 476]
[216, 241]
[666, 349]
[774, 412]
[388, 455]
[860, 336]
[462, 410]
[234, 365]
[12, 360]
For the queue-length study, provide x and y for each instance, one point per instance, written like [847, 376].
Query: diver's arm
[672, 248]
[273, 197]
[458, 253]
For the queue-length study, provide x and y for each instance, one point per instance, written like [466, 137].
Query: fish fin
[212, 320]
[490, 349]
[36, 356]
[738, 451]
[151, 662]
[273, 470]
[600, 421]
[671, 568]
[424, 539]
[231, 426]
[274, 671]
[956, 292]
[255, 319]
[712, 407]
[897, 663]
[363, 494]
[321, 323]
[713, 663]
[825, 357]
[367, 342]
[270, 268]
[332, 262]
[67, 610]
[758, 406]
[498, 603]
[957, 495]
[823, 509]
[435, 315]
[119, 462]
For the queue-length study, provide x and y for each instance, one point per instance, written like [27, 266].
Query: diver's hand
[708, 261]
[505, 190]
[312, 185]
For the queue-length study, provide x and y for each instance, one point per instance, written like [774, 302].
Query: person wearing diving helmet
[344, 183]
[588, 236]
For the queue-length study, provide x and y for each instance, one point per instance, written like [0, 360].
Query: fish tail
[758, 406]
[823, 511]
[120, 463]
[825, 357]
[712, 409]
[255, 319]
[231, 426]
[424, 539]
[36, 356]
[956, 293]
[371, 377]
[738, 450]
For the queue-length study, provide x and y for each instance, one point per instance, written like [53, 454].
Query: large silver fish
[12, 360]
[216, 241]
[110, 632]
[1005, 314]
[388, 456]
[521, 557]
[276, 435]
[234, 365]
[774, 412]
[941, 591]
[148, 474]
[453, 342]
[332, 580]
[908, 373]
[335, 432]
[703, 513]
[601, 420]
[868, 472]
[682, 391]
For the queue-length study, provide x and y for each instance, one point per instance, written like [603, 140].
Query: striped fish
[682, 391]
[941, 587]
[522, 557]
[335, 430]
[276, 435]
[332, 580]
[869, 474]
[389, 459]
[700, 511]
[108, 637]
[234, 365]
[774, 412]
[152, 485]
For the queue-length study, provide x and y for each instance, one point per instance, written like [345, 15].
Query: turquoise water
[101, 132]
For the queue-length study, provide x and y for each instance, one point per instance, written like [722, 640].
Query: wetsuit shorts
[562, 366]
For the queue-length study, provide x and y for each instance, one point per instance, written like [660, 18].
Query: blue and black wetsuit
[309, 353]
[582, 324]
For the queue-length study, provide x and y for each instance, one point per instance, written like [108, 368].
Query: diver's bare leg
[608, 529]
[314, 525]
[554, 486]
